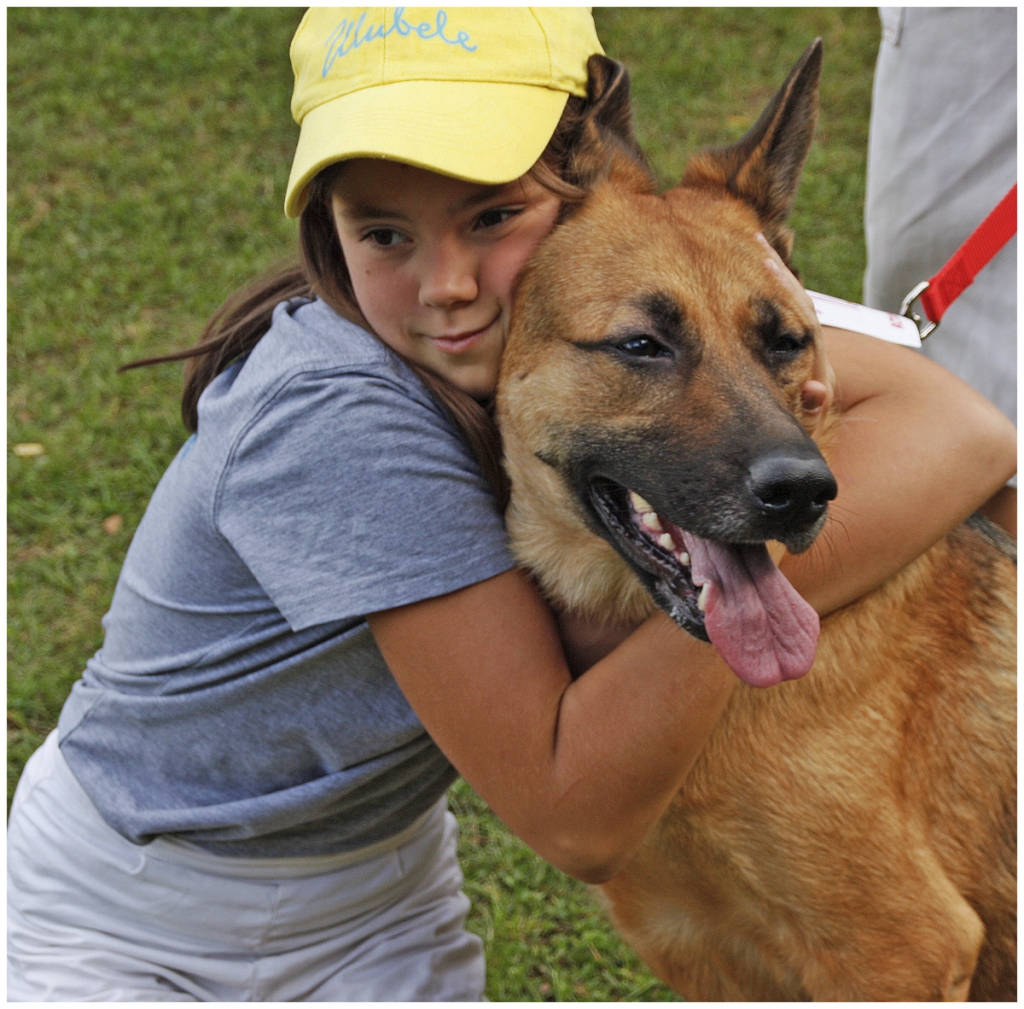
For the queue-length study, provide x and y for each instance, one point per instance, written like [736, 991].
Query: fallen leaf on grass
[28, 448]
[112, 524]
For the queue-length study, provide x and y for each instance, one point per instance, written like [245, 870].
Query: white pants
[93, 917]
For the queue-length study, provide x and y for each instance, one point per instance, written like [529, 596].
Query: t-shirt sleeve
[351, 492]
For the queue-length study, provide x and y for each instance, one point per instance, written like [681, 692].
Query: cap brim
[482, 132]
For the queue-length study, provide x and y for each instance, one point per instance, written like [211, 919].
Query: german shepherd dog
[848, 835]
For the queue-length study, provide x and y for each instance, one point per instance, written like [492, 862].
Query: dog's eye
[785, 347]
[643, 346]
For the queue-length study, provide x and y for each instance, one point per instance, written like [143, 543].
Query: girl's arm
[1001, 508]
[916, 451]
[581, 770]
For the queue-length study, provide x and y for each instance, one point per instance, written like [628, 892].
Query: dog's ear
[763, 167]
[608, 97]
[605, 146]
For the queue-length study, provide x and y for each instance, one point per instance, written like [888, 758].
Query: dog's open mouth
[655, 550]
[732, 595]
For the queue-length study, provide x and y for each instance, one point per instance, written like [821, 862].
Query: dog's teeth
[650, 521]
[639, 503]
[702, 599]
[684, 557]
[665, 540]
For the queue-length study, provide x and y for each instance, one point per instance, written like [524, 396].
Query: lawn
[148, 151]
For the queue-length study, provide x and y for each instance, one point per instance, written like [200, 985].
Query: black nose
[791, 491]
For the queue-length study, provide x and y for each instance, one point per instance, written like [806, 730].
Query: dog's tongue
[761, 626]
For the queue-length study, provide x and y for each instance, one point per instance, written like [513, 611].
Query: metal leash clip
[924, 326]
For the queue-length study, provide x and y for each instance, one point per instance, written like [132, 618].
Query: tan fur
[846, 836]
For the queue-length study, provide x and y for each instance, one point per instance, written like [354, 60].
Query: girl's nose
[449, 277]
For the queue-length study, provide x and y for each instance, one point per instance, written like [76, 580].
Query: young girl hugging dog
[243, 800]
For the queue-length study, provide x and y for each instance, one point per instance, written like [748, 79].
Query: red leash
[964, 265]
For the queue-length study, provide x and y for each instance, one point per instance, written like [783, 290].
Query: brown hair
[239, 324]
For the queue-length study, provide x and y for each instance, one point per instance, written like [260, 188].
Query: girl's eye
[384, 238]
[492, 218]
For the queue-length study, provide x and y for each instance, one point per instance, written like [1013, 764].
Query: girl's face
[433, 261]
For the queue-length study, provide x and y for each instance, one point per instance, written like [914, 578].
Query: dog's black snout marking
[791, 490]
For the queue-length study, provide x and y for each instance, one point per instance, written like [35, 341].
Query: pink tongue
[759, 623]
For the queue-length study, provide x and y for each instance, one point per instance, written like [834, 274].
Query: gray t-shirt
[239, 700]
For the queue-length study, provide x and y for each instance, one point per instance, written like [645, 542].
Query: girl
[318, 619]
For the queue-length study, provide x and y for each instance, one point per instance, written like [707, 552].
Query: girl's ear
[763, 167]
[605, 147]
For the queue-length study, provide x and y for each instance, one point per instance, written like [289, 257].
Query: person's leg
[91, 919]
[941, 155]
[422, 952]
[406, 943]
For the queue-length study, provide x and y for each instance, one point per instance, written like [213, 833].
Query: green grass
[545, 939]
[148, 151]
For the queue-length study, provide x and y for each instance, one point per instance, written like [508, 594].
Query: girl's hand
[818, 393]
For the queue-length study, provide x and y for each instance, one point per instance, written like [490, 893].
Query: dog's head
[657, 365]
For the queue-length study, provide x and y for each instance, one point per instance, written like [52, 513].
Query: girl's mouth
[456, 343]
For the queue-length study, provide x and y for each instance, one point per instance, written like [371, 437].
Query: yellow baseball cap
[473, 92]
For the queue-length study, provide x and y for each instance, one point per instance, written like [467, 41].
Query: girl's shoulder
[309, 336]
[321, 433]
[309, 358]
